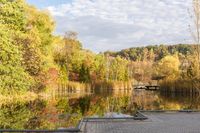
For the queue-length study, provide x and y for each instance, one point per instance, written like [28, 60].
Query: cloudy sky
[117, 24]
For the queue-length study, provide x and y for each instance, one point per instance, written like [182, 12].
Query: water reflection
[65, 109]
[180, 101]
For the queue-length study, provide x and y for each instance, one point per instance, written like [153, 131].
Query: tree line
[176, 66]
[153, 52]
[32, 57]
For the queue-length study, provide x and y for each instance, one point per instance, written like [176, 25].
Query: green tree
[28, 33]
[12, 76]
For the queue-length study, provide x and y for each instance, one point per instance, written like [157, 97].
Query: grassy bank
[68, 87]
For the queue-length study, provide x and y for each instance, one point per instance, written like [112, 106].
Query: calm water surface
[65, 110]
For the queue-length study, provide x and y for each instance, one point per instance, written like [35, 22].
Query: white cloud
[117, 24]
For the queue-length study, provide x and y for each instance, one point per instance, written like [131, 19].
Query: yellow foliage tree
[169, 67]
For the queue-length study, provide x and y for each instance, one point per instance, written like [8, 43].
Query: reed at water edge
[113, 85]
[180, 86]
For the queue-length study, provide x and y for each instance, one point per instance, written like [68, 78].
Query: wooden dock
[156, 122]
[147, 87]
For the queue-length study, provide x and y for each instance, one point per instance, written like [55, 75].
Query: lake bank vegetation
[174, 67]
[33, 59]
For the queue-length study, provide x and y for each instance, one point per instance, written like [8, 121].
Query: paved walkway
[157, 122]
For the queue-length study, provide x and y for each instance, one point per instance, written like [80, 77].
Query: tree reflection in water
[65, 111]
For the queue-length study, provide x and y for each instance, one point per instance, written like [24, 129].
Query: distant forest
[156, 52]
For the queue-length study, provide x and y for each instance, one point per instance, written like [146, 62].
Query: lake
[66, 109]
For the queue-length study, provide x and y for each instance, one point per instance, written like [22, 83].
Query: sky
[118, 24]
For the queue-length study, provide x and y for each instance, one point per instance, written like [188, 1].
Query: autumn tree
[28, 32]
[168, 67]
[13, 77]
